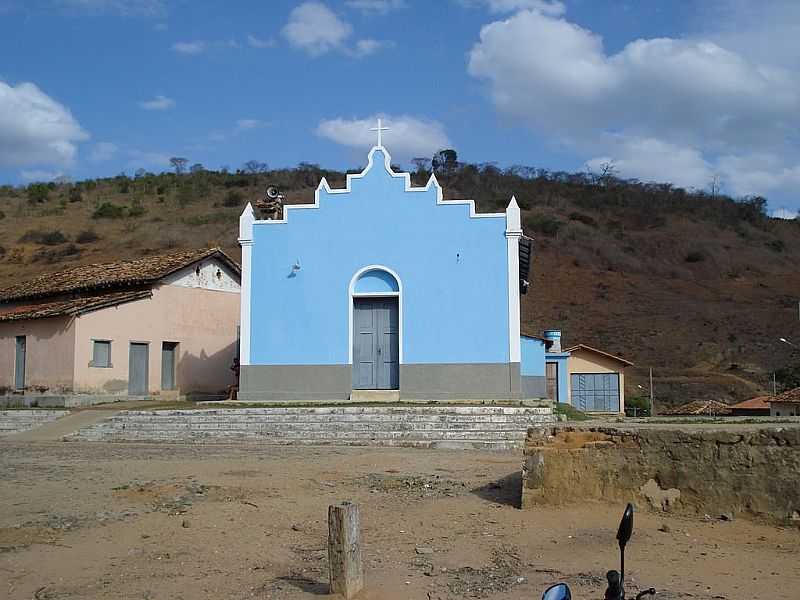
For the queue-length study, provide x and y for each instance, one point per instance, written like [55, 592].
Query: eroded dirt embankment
[755, 471]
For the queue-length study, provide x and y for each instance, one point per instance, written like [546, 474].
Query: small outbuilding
[596, 380]
[587, 378]
[786, 404]
[158, 325]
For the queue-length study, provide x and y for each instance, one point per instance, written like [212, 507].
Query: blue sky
[684, 91]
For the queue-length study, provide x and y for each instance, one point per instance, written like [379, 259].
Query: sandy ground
[152, 521]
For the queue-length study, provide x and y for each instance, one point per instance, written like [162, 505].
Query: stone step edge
[405, 443]
[343, 410]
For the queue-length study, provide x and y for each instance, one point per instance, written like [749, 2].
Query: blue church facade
[381, 286]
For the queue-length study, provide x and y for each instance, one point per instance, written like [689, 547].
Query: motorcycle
[616, 579]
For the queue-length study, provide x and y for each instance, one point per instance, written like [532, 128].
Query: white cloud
[380, 7]
[124, 8]
[759, 173]
[199, 46]
[240, 127]
[650, 159]
[663, 109]
[407, 137]
[315, 29]
[784, 213]
[767, 32]
[103, 151]
[549, 7]
[140, 158]
[256, 42]
[248, 124]
[366, 47]
[36, 129]
[158, 103]
[554, 8]
[196, 47]
[40, 175]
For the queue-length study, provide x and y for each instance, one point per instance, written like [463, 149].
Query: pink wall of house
[50, 352]
[202, 321]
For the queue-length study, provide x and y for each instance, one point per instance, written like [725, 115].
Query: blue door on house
[376, 364]
[19, 363]
[138, 368]
[595, 392]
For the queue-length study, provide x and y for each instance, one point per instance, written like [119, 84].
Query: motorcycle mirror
[559, 591]
[625, 526]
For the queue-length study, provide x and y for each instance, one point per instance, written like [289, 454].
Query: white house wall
[209, 274]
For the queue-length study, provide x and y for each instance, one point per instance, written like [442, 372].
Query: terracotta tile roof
[619, 359]
[699, 408]
[69, 306]
[757, 403]
[106, 276]
[792, 396]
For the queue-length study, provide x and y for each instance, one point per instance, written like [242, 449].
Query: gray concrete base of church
[417, 382]
[295, 382]
[534, 386]
[478, 381]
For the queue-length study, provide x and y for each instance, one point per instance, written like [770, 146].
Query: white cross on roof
[380, 130]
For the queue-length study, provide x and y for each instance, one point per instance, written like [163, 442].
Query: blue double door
[595, 392]
[376, 344]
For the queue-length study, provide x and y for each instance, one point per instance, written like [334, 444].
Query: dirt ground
[149, 521]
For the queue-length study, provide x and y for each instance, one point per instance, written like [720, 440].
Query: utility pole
[774, 385]
[652, 396]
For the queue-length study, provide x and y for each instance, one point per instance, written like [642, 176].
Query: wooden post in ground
[344, 549]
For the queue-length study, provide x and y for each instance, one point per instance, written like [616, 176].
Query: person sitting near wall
[233, 390]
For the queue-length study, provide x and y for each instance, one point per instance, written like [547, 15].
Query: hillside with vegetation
[696, 285]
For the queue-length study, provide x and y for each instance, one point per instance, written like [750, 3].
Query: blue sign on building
[381, 286]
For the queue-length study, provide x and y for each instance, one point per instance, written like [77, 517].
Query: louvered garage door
[595, 392]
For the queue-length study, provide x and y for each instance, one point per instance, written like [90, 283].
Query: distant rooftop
[699, 407]
[792, 396]
[105, 277]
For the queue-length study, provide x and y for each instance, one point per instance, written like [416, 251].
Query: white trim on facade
[323, 184]
[513, 233]
[351, 294]
[246, 221]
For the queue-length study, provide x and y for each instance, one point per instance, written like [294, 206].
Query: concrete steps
[415, 426]
[15, 421]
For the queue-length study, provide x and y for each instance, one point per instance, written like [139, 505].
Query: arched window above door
[376, 281]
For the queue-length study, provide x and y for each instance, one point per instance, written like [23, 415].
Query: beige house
[596, 380]
[160, 325]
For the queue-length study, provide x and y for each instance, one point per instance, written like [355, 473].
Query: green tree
[179, 164]
[445, 161]
[38, 192]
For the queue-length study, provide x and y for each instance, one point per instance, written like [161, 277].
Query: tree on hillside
[179, 164]
[714, 186]
[38, 192]
[445, 161]
[253, 166]
[423, 165]
[196, 168]
[608, 172]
